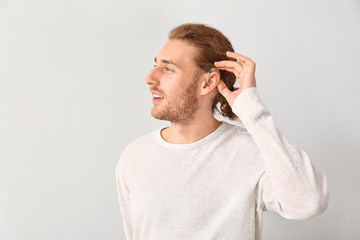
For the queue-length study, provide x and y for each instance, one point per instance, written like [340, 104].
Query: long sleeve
[287, 181]
[124, 199]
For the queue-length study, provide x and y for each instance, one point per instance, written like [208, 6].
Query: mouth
[157, 98]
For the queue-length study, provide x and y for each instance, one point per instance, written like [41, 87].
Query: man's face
[173, 79]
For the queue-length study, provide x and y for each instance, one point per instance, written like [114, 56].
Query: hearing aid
[210, 71]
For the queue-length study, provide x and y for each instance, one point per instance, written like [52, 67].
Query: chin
[156, 114]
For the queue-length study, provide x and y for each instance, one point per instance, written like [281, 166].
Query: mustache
[157, 90]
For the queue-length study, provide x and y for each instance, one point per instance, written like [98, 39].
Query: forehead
[179, 52]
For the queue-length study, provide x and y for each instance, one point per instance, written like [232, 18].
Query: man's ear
[210, 82]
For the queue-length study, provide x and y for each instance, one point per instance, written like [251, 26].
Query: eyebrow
[167, 61]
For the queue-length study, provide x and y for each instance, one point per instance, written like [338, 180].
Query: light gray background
[72, 96]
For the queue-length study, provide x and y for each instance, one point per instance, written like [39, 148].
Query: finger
[230, 69]
[235, 72]
[235, 69]
[229, 64]
[223, 89]
[240, 58]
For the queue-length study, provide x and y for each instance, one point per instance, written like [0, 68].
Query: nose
[152, 78]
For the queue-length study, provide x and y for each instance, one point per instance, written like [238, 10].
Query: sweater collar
[193, 145]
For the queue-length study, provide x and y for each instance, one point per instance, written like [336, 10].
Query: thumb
[223, 89]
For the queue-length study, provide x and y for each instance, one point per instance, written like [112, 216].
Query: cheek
[173, 86]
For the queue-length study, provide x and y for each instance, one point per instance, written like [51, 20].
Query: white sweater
[218, 187]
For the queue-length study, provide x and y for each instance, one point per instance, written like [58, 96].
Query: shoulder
[236, 134]
[245, 140]
[237, 129]
[140, 142]
[135, 147]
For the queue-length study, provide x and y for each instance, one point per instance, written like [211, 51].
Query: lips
[156, 95]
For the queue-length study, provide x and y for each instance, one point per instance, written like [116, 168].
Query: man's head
[181, 73]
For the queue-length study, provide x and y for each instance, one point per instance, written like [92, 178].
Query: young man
[204, 179]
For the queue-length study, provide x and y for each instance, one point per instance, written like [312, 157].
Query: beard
[181, 110]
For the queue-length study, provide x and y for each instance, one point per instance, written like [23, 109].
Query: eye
[154, 65]
[168, 69]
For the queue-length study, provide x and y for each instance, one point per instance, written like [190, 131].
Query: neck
[191, 132]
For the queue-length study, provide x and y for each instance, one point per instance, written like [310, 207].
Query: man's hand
[244, 71]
